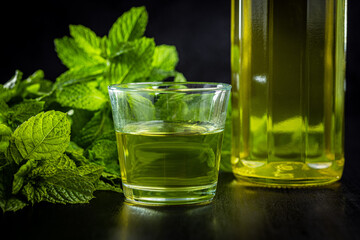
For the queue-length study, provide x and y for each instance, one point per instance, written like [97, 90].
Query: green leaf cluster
[57, 140]
[35, 167]
[125, 55]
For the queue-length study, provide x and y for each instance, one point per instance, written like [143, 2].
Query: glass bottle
[288, 78]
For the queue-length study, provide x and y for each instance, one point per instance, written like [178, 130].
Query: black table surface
[239, 211]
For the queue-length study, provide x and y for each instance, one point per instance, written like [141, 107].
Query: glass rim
[134, 87]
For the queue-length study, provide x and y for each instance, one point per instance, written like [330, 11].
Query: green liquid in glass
[174, 162]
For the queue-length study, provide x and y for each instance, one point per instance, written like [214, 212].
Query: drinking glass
[169, 138]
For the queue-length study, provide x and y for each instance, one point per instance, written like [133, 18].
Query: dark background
[199, 29]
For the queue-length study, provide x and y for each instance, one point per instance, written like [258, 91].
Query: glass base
[169, 196]
[284, 183]
[290, 174]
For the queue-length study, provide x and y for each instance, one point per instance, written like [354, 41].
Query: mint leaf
[133, 65]
[63, 162]
[8, 202]
[104, 152]
[44, 136]
[15, 89]
[74, 148]
[142, 109]
[51, 167]
[5, 95]
[165, 57]
[12, 204]
[5, 133]
[79, 118]
[9, 89]
[179, 77]
[103, 185]
[164, 62]
[74, 56]
[173, 106]
[80, 75]
[86, 39]
[158, 75]
[4, 109]
[92, 172]
[21, 112]
[76, 154]
[99, 124]
[109, 182]
[60, 181]
[35, 77]
[35, 86]
[37, 89]
[20, 175]
[14, 81]
[122, 48]
[128, 27]
[82, 96]
[64, 187]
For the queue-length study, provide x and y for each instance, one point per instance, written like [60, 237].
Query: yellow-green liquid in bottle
[288, 70]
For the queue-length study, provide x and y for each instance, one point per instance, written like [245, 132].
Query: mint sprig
[124, 56]
[57, 141]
